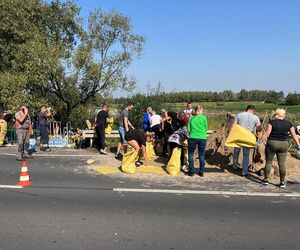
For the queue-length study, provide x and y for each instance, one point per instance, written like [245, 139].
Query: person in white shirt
[189, 109]
[188, 112]
[155, 120]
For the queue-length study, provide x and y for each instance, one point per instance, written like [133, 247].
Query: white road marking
[10, 186]
[53, 155]
[203, 192]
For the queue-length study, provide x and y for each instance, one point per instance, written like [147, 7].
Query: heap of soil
[217, 154]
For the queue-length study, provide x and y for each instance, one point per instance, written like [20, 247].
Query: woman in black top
[137, 139]
[277, 134]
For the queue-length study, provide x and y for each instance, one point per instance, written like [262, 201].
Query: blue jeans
[122, 135]
[236, 154]
[192, 143]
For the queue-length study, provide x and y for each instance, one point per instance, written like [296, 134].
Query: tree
[292, 99]
[46, 56]
[98, 64]
[32, 35]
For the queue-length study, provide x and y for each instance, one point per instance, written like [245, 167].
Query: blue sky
[213, 45]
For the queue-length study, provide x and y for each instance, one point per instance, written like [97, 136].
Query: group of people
[276, 137]
[24, 128]
[177, 130]
[189, 128]
[186, 128]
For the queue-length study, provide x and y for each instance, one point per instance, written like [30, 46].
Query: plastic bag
[150, 150]
[240, 137]
[110, 122]
[173, 166]
[186, 156]
[128, 162]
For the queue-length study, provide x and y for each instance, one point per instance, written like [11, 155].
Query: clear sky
[213, 45]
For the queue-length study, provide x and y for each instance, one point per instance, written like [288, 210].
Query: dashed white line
[207, 192]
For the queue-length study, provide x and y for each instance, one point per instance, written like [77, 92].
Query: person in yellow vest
[23, 131]
[5, 119]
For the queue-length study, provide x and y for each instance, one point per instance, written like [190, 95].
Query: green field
[237, 106]
[216, 111]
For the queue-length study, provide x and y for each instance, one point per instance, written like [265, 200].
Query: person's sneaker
[265, 182]
[201, 174]
[138, 163]
[103, 151]
[19, 159]
[118, 155]
[48, 149]
[191, 174]
[244, 175]
[184, 168]
[282, 184]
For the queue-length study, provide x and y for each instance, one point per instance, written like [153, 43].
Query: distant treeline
[270, 96]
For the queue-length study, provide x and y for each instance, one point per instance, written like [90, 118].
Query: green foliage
[46, 56]
[292, 99]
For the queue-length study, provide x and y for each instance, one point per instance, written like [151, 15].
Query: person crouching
[137, 139]
[176, 140]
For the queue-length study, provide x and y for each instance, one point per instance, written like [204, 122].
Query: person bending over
[137, 139]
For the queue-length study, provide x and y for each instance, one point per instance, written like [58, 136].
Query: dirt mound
[217, 154]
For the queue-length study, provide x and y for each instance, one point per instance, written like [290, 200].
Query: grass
[238, 106]
[216, 111]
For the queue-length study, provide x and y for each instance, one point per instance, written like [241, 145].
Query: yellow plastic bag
[128, 162]
[240, 137]
[186, 156]
[173, 166]
[110, 122]
[150, 150]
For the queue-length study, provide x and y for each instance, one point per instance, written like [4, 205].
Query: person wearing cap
[23, 131]
[251, 122]
[276, 139]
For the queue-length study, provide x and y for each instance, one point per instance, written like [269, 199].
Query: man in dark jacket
[101, 124]
[43, 117]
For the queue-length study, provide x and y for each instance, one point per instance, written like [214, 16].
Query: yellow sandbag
[240, 137]
[128, 162]
[173, 166]
[186, 157]
[110, 122]
[90, 161]
[149, 151]
[106, 169]
[151, 170]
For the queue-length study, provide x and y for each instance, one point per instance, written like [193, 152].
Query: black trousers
[165, 146]
[100, 131]
[44, 135]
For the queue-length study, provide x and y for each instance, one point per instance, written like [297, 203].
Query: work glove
[298, 150]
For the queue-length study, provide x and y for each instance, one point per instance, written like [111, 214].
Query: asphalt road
[69, 208]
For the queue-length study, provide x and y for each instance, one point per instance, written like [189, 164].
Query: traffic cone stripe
[24, 178]
[24, 174]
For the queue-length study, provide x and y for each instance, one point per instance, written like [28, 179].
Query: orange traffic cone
[24, 175]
